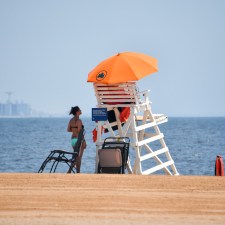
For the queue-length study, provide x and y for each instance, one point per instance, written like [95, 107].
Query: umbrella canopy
[123, 67]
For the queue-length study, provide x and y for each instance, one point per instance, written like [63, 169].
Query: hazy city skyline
[47, 49]
[18, 108]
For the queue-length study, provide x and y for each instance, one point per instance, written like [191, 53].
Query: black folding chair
[61, 156]
[114, 155]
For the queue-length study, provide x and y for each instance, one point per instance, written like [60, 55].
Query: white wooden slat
[114, 99]
[151, 139]
[109, 101]
[157, 159]
[149, 135]
[159, 167]
[124, 89]
[109, 127]
[115, 85]
[122, 100]
[153, 154]
[162, 121]
[114, 92]
[126, 127]
[114, 88]
[101, 105]
[111, 95]
[111, 124]
[158, 121]
[116, 96]
[102, 84]
[145, 126]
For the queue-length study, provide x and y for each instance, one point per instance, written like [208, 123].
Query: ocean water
[194, 143]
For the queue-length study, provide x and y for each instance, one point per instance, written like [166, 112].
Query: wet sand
[110, 199]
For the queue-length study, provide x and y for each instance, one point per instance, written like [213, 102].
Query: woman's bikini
[74, 139]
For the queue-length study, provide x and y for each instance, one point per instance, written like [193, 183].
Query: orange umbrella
[123, 67]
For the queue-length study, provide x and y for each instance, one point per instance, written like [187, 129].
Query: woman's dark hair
[74, 110]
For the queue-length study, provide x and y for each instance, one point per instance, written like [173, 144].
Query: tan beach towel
[110, 158]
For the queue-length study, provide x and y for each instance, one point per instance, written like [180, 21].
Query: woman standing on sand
[74, 126]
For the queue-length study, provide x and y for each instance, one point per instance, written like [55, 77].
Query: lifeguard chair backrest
[121, 95]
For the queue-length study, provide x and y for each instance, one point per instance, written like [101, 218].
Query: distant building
[15, 109]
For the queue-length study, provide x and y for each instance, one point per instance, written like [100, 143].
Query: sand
[111, 199]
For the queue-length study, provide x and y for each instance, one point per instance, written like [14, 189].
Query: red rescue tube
[125, 113]
[219, 166]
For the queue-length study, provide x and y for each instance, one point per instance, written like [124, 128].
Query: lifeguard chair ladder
[148, 154]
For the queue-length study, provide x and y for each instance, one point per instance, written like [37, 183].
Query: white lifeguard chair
[151, 153]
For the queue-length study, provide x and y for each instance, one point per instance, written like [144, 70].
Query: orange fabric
[95, 134]
[124, 115]
[126, 66]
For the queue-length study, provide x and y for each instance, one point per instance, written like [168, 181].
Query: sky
[48, 47]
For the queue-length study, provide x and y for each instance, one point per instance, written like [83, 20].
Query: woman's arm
[79, 125]
[69, 129]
